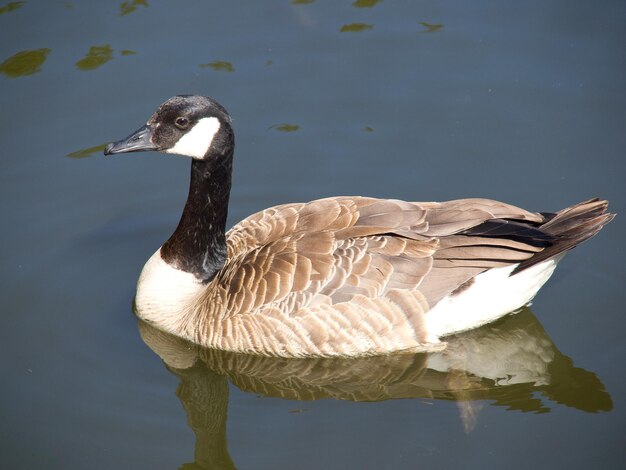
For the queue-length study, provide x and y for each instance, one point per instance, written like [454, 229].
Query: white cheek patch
[196, 142]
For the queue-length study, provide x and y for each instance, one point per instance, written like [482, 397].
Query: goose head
[189, 125]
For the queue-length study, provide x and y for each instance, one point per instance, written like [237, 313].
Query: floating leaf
[268, 62]
[431, 27]
[11, 6]
[127, 52]
[24, 63]
[355, 27]
[301, 2]
[368, 129]
[285, 127]
[365, 3]
[129, 7]
[88, 152]
[220, 65]
[96, 57]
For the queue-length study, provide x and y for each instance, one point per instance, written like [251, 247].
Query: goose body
[341, 276]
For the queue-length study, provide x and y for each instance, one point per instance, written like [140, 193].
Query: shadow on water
[510, 363]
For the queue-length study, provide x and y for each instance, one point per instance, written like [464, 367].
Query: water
[525, 103]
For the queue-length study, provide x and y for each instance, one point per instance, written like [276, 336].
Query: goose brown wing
[331, 251]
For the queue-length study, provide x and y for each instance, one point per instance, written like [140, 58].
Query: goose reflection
[511, 363]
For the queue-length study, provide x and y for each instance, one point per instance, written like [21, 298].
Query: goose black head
[189, 125]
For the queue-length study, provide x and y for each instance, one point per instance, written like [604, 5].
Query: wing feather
[341, 248]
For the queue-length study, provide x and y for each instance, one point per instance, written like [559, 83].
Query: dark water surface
[519, 101]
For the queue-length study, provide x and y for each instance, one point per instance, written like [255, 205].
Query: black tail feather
[570, 227]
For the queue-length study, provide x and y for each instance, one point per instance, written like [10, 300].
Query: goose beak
[138, 141]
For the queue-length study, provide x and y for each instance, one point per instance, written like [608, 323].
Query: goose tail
[570, 227]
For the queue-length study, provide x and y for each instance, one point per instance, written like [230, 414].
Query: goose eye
[182, 123]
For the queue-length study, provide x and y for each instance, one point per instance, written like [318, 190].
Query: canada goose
[342, 276]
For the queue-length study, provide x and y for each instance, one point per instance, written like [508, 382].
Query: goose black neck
[198, 245]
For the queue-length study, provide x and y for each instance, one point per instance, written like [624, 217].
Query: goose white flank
[341, 276]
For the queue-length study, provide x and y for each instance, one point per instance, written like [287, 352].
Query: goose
[340, 276]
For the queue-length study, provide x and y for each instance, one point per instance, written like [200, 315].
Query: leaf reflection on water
[365, 3]
[356, 27]
[220, 65]
[511, 363]
[131, 6]
[11, 6]
[286, 127]
[88, 152]
[430, 27]
[96, 57]
[24, 63]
